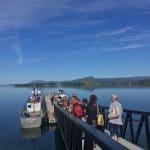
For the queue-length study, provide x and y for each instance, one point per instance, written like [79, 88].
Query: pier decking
[122, 141]
[50, 109]
[127, 144]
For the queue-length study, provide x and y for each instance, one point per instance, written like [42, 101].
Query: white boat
[59, 96]
[32, 115]
[30, 133]
[61, 93]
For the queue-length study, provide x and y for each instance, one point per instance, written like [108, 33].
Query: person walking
[115, 117]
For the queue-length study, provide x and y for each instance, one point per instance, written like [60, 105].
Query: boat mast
[58, 79]
[34, 87]
[49, 87]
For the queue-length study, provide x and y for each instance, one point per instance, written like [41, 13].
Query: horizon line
[144, 76]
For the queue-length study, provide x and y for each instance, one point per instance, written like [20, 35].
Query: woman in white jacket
[115, 117]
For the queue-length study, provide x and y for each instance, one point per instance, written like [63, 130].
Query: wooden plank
[50, 109]
[126, 143]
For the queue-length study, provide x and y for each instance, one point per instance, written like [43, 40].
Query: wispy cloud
[80, 22]
[130, 37]
[26, 14]
[18, 50]
[30, 13]
[112, 34]
[123, 30]
[19, 54]
[103, 5]
[123, 48]
[144, 12]
[36, 60]
[97, 50]
[142, 36]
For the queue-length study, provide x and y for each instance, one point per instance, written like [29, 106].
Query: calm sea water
[12, 99]
[131, 98]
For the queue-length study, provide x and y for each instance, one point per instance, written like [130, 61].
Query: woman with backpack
[93, 110]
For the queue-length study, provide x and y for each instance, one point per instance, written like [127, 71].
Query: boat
[59, 96]
[32, 114]
[61, 93]
[30, 133]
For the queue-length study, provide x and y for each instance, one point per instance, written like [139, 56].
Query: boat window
[29, 106]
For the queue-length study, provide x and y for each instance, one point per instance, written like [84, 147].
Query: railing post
[139, 128]
[72, 135]
[147, 131]
[70, 130]
[125, 124]
[131, 127]
[88, 143]
[78, 138]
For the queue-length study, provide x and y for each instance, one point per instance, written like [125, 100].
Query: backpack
[100, 119]
[78, 110]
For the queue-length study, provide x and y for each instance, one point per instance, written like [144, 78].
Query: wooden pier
[127, 143]
[71, 129]
[50, 109]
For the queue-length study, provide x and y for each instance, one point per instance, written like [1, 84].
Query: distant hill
[37, 82]
[91, 78]
[91, 81]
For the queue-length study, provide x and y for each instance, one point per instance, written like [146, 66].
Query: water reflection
[38, 138]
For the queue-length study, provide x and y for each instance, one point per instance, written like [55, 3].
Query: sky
[100, 38]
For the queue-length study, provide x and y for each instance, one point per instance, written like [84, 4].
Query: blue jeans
[114, 129]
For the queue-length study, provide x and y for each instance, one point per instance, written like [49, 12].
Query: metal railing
[73, 128]
[135, 120]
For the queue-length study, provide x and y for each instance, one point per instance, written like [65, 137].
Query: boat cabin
[34, 103]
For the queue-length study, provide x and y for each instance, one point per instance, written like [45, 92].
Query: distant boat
[61, 93]
[32, 114]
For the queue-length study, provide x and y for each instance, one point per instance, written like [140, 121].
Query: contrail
[18, 50]
[19, 55]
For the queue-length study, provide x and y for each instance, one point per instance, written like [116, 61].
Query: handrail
[136, 120]
[133, 111]
[71, 128]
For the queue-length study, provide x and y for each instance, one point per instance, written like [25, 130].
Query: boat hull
[30, 133]
[31, 122]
